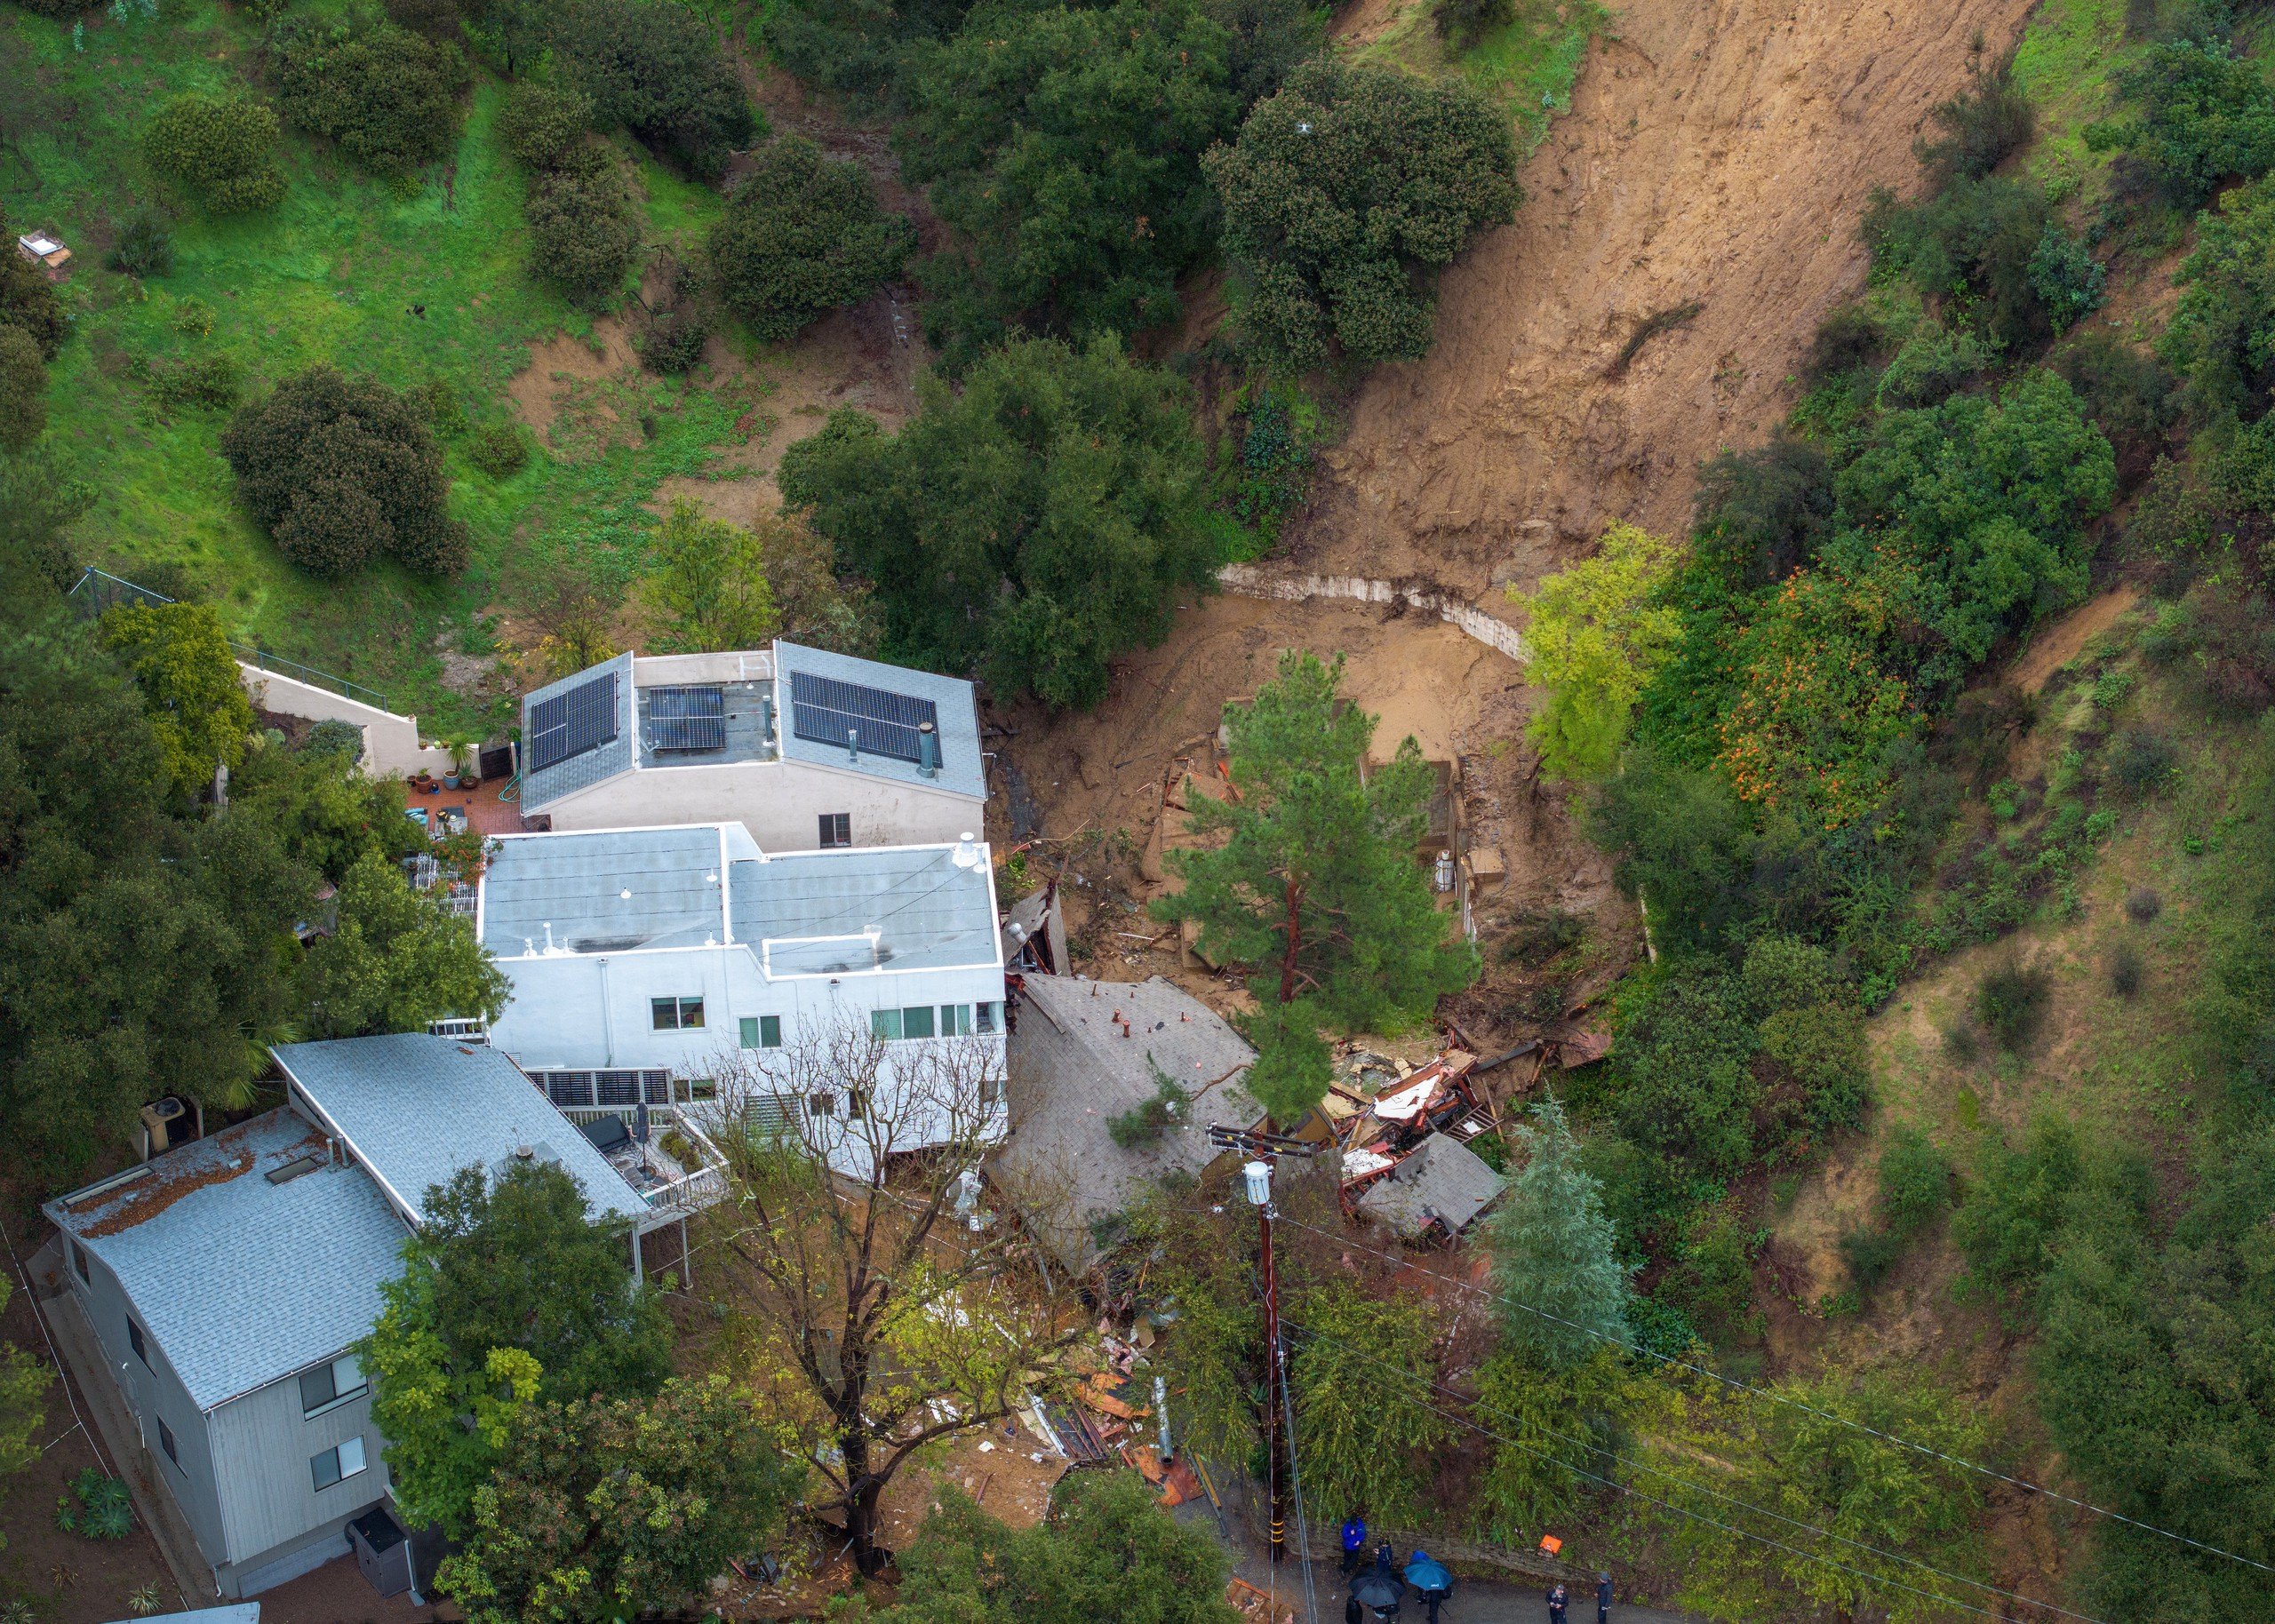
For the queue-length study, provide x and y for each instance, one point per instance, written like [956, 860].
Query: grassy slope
[330, 276]
[1527, 64]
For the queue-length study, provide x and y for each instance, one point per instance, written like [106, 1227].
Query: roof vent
[522, 1152]
[928, 750]
[294, 1169]
[967, 855]
[852, 744]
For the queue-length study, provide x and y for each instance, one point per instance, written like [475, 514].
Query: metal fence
[97, 590]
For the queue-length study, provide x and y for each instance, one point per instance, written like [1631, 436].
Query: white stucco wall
[779, 803]
[391, 744]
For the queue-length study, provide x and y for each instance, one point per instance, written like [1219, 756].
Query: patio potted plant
[464, 760]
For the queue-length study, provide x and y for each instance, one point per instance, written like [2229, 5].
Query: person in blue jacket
[1603, 1598]
[1430, 1578]
[1355, 1542]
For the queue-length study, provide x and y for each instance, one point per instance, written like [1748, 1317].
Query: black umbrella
[1379, 1590]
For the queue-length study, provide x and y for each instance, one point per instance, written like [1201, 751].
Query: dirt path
[1718, 151]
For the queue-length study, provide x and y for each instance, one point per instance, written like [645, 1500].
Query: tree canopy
[707, 583]
[339, 469]
[389, 97]
[1032, 527]
[1595, 634]
[1342, 192]
[179, 658]
[1316, 887]
[1063, 143]
[1554, 1251]
[221, 149]
[657, 70]
[511, 1292]
[396, 960]
[803, 235]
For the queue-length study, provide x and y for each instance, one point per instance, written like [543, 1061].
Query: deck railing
[703, 1185]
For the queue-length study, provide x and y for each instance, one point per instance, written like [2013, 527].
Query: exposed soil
[560, 364]
[2063, 641]
[1716, 153]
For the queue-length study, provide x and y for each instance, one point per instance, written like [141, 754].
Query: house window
[857, 1104]
[836, 829]
[336, 1465]
[916, 1020]
[134, 1340]
[921, 1021]
[985, 1018]
[991, 1092]
[956, 1020]
[166, 1442]
[676, 1015]
[79, 1262]
[762, 1031]
[330, 1384]
[821, 1105]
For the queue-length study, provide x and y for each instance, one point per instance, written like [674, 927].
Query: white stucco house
[806, 749]
[641, 957]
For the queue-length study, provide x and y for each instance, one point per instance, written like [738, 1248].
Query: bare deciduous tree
[874, 1319]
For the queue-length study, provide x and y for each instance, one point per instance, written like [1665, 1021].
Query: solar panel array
[687, 718]
[572, 723]
[824, 710]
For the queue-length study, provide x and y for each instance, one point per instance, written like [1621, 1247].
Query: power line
[1732, 1500]
[1697, 1517]
[1856, 1426]
[1296, 1477]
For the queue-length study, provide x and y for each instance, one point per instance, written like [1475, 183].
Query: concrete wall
[779, 803]
[154, 1393]
[270, 1505]
[391, 744]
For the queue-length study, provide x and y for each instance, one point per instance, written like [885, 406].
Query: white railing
[703, 1185]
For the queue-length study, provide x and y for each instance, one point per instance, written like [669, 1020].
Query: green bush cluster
[96, 1507]
[145, 247]
[585, 229]
[1915, 1189]
[221, 149]
[500, 450]
[1342, 191]
[658, 71]
[341, 469]
[210, 383]
[803, 233]
[23, 389]
[678, 325]
[1034, 526]
[389, 96]
[2198, 116]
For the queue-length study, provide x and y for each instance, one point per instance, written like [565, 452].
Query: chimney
[928, 750]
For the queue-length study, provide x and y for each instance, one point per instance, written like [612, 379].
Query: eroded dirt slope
[1717, 152]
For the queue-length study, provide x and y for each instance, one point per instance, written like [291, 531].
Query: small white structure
[639, 957]
[43, 250]
[392, 748]
[806, 749]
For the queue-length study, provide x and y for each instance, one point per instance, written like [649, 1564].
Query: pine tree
[1552, 1250]
[1316, 887]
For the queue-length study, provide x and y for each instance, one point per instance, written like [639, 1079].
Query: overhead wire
[1699, 1516]
[1296, 1481]
[1731, 1499]
[1626, 1346]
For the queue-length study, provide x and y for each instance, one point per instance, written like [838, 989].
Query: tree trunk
[1294, 929]
[861, 1509]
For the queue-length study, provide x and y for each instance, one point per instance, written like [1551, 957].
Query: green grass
[1526, 65]
[2069, 55]
[330, 276]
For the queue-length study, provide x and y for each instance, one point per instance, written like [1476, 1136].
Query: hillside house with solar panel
[648, 955]
[808, 749]
[226, 1284]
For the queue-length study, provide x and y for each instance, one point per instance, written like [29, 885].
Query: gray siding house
[227, 1280]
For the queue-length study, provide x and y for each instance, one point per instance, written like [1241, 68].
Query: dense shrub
[2198, 116]
[437, 20]
[211, 382]
[1761, 514]
[584, 226]
[2065, 278]
[544, 124]
[855, 48]
[1851, 339]
[2010, 1001]
[1933, 363]
[1034, 526]
[1063, 146]
[500, 450]
[1464, 21]
[23, 389]
[221, 149]
[2222, 337]
[1977, 238]
[2127, 393]
[2126, 971]
[340, 469]
[1915, 1189]
[389, 97]
[1983, 126]
[803, 233]
[145, 247]
[678, 324]
[657, 70]
[1342, 192]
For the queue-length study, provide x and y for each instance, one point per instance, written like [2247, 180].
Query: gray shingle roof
[1444, 1178]
[962, 772]
[417, 1108]
[928, 912]
[567, 891]
[1072, 1071]
[241, 1282]
[540, 789]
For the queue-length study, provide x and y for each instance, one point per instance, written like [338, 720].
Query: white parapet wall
[392, 748]
[1250, 581]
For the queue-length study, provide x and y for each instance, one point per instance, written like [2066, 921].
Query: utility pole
[1262, 1149]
